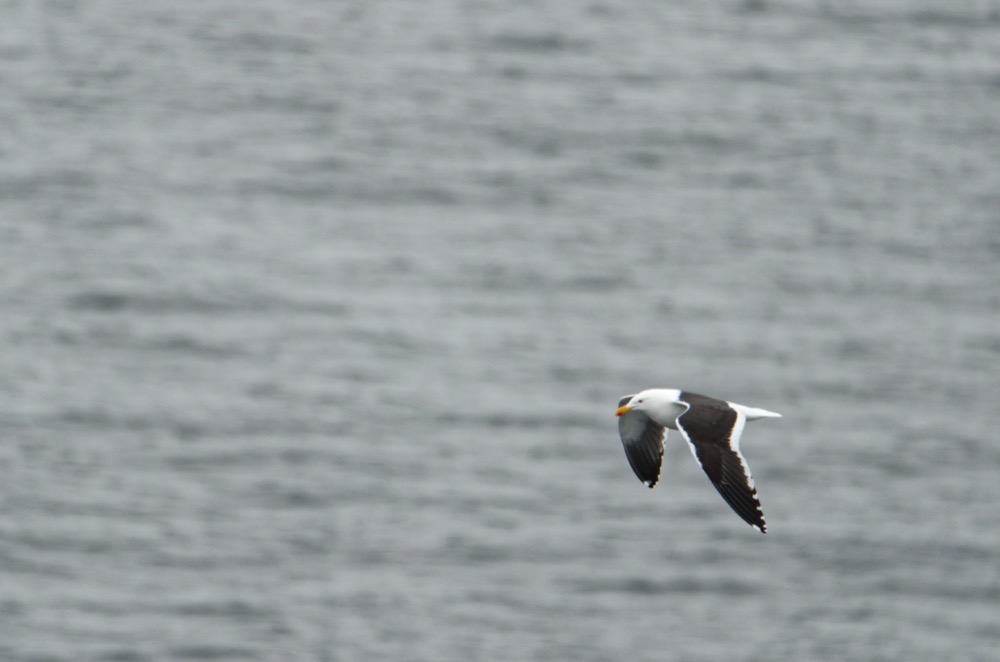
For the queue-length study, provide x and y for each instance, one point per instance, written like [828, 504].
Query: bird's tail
[753, 413]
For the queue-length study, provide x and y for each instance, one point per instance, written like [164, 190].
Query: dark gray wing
[643, 441]
[713, 430]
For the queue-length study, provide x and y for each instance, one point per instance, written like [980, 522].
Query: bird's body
[712, 429]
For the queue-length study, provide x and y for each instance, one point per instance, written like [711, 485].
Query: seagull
[712, 429]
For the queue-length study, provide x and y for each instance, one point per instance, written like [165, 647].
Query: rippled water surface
[315, 316]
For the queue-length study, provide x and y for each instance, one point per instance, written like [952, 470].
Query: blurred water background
[315, 316]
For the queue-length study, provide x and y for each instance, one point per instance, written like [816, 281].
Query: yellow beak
[623, 410]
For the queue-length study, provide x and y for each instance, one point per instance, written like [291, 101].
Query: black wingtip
[743, 502]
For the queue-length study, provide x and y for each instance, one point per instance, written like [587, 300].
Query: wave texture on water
[315, 318]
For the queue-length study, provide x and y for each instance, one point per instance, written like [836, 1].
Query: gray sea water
[314, 317]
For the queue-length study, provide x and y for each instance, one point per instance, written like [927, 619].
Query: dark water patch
[187, 560]
[986, 342]
[253, 425]
[538, 43]
[99, 301]
[894, 464]
[327, 164]
[104, 607]
[501, 277]
[11, 607]
[957, 17]
[235, 609]
[872, 16]
[271, 42]
[641, 79]
[123, 655]
[282, 497]
[33, 565]
[66, 507]
[298, 457]
[570, 374]
[858, 349]
[988, 631]
[251, 42]
[205, 461]
[226, 556]
[20, 187]
[645, 159]
[745, 180]
[508, 420]
[539, 142]
[189, 345]
[948, 588]
[109, 301]
[992, 82]
[120, 220]
[908, 249]
[105, 419]
[435, 195]
[715, 141]
[15, 53]
[650, 587]
[752, 6]
[181, 426]
[851, 554]
[59, 542]
[117, 301]
[79, 101]
[189, 430]
[476, 553]
[316, 190]
[958, 450]
[400, 342]
[320, 545]
[759, 75]
[400, 193]
[513, 72]
[214, 652]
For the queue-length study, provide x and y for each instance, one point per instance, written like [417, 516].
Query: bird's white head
[637, 403]
[660, 404]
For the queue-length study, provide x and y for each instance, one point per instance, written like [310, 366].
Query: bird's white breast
[663, 406]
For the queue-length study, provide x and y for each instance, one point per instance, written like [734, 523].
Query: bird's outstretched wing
[643, 441]
[713, 432]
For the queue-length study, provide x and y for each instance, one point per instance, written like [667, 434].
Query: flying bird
[712, 429]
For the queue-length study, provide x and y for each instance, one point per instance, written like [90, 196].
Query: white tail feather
[752, 413]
